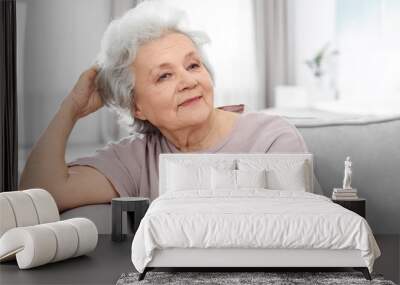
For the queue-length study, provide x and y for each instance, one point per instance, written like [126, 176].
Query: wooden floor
[389, 262]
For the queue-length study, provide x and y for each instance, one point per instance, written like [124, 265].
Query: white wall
[57, 40]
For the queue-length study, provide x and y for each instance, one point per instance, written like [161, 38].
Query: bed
[247, 210]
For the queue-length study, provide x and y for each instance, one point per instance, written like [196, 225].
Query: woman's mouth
[190, 101]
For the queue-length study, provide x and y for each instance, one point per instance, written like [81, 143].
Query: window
[368, 39]
[366, 35]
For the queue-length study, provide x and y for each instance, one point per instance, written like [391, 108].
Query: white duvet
[252, 218]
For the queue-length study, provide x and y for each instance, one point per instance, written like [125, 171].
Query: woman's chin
[195, 114]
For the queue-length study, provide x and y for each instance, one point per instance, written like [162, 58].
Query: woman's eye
[166, 75]
[194, 65]
[162, 77]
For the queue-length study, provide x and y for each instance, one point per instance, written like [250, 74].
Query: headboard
[233, 159]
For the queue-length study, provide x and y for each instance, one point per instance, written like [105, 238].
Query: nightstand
[134, 205]
[356, 205]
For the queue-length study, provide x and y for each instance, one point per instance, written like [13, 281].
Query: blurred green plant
[317, 63]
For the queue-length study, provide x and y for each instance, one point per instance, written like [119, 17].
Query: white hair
[148, 21]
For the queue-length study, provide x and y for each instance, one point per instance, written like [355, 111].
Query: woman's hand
[84, 98]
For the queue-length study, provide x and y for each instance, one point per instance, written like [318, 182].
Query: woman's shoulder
[269, 133]
[127, 141]
[260, 119]
[137, 140]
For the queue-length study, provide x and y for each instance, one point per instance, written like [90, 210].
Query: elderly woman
[153, 71]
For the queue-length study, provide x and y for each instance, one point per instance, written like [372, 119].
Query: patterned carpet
[269, 278]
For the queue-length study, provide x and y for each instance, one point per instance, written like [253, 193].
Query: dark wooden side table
[136, 206]
[356, 205]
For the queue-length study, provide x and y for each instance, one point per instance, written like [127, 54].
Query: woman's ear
[137, 112]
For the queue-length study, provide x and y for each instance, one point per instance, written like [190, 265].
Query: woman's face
[168, 72]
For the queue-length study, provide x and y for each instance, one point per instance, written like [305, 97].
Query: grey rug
[269, 278]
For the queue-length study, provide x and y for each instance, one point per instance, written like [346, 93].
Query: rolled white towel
[33, 246]
[45, 205]
[26, 208]
[40, 244]
[23, 209]
[67, 239]
[87, 235]
[7, 218]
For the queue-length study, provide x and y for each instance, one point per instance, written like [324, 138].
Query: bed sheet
[250, 218]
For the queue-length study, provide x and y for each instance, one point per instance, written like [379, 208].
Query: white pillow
[292, 179]
[223, 179]
[251, 178]
[281, 174]
[229, 179]
[183, 177]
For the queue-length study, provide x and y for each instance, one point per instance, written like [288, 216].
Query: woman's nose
[187, 80]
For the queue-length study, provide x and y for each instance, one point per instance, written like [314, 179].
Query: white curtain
[275, 45]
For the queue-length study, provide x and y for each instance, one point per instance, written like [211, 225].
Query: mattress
[250, 219]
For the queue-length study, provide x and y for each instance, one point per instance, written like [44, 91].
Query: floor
[110, 260]
[389, 262]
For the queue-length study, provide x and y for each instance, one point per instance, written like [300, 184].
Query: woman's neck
[203, 136]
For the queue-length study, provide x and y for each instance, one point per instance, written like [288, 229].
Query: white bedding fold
[252, 218]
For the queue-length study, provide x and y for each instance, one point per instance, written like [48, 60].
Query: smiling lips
[189, 101]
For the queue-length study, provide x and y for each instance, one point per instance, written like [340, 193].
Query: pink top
[131, 164]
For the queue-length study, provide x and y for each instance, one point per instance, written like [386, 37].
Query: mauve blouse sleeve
[111, 162]
[289, 140]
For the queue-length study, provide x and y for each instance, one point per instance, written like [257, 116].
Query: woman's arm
[46, 167]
